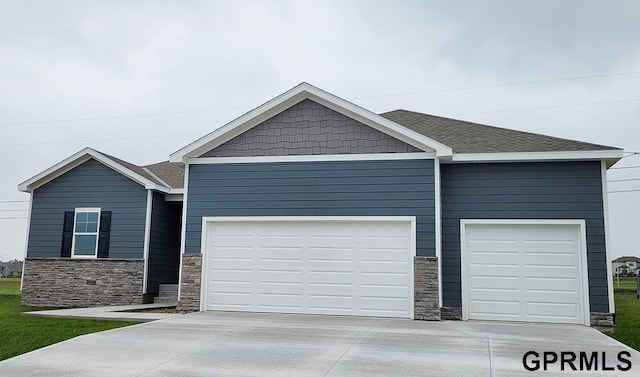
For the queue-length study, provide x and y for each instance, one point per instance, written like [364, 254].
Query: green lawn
[627, 328]
[20, 334]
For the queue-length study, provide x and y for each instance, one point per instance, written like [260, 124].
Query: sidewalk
[117, 313]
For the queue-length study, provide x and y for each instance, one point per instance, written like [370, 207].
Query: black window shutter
[103, 236]
[67, 234]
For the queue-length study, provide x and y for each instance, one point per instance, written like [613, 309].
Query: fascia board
[290, 98]
[610, 154]
[240, 124]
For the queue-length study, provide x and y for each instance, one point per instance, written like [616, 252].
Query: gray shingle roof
[468, 137]
[134, 168]
[170, 172]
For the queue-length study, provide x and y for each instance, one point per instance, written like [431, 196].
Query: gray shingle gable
[468, 137]
[171, 173]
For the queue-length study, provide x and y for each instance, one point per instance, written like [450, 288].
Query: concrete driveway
[252, 344]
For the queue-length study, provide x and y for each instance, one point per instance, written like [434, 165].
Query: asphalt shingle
[468, 137]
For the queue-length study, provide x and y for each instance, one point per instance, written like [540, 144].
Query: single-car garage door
[524, 271]
[339, 266]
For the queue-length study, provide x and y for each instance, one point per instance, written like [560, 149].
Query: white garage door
[523, 272]
[301, 265]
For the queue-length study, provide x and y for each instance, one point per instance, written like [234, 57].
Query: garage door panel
[523, 272]
[494, 270]
[559, 310]
[495, 309]
[384, 255]
[499, 283]
[552, 284]
[560, 259]
[323, 267]
[385, 279]
[384, 306]
[492, 258]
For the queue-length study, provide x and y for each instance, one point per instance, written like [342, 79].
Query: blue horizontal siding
[340, 188]
[89, 185]
[570, 190]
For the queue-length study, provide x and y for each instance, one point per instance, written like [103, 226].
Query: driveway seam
[348, 348]
[490, 349]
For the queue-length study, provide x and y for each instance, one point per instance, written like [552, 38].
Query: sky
[141, 79]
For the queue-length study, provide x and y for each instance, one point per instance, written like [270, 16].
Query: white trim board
[409, 219]
[607, 236]
[583, 262]
[609, 154]
[313, 158]
[26, 241]
[147, 240]
[78, 159]
[437, 194]
[183, 229]
[293, 96]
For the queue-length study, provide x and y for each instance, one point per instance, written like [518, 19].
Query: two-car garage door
[511, 270]
[303, 265]
[524, 271]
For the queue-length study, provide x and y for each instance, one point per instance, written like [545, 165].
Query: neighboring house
[626, 265]
[311, 204]
[10, 269]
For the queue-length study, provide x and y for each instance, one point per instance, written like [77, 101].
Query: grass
[627, 329]
[19, 334]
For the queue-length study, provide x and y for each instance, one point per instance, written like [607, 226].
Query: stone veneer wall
[451, 313]
[77, 283]
[190, 282]
[602, 321]
[426, 300]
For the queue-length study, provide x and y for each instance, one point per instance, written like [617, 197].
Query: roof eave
[79, 158]
[611, 156]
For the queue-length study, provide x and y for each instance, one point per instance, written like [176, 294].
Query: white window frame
[96, 233]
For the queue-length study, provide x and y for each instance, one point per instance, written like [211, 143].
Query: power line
[14, 201]
[498, 85]
[94, 140]
[13, 210]
[617, 191]
[107, 117]
[13, 218]
[139, 115]
[547, 107]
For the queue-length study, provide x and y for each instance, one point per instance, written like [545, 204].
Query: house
[311, 204]
[626, 266]
[10, 269]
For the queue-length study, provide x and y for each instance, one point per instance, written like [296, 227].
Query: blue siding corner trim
[569, 190]
[336, 188]
[89, 185]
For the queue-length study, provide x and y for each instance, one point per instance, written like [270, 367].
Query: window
[85, 232]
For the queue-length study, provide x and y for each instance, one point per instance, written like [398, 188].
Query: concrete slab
[114, 313]
[255, 344]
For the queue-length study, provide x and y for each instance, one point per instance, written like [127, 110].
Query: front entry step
[168, 294]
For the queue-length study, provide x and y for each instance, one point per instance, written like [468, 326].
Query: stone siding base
[190, 282]
[426, 300]
[603, 321]
[81, 283]
[451, 313]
